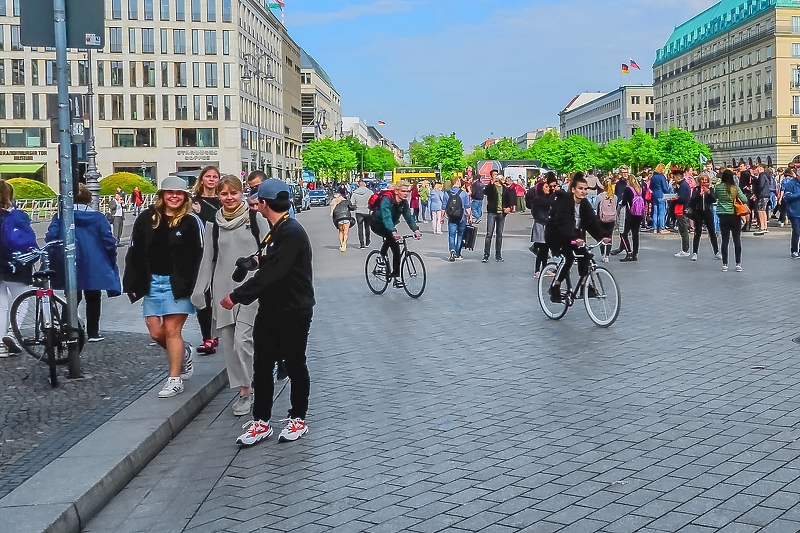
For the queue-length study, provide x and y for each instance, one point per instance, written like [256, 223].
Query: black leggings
[568, 253]
[707, 219]
[542, 254]
[204, 317]
[93, 299]
[389, 242]
[731, 224]
[632, 226]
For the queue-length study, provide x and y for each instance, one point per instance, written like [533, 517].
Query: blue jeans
[716, 218]
[592, 200]
[659, 214]
[423, 210]
[795, 233]
[455, 232]
[477, 209]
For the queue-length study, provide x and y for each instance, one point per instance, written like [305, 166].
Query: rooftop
[717, 19]
[308, 62]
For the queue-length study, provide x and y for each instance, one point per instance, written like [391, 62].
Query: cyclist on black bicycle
[392, 205]
[571, 217]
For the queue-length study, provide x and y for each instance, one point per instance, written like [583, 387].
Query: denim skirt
[160, 301]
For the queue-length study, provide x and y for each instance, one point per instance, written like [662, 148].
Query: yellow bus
[413, 174]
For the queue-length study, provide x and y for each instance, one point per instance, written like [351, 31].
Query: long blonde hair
[160, 210]
[634, 184]
[198, 185]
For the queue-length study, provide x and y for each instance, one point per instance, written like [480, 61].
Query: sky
[481, 69]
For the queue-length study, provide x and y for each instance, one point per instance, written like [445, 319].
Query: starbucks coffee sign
[197, 155]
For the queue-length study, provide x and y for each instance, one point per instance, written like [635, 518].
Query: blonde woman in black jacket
[702, 208]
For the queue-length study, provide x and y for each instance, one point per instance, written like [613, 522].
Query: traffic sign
[85, 23]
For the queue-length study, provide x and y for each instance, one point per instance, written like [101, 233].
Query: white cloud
[353, 11]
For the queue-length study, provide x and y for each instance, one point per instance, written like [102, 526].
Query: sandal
[207, 348]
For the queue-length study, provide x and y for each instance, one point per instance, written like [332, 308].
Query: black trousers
[93, 299]
[706, 219]
[542, 254]
[569, 255]
[281, 336]
[363, 221]
[631, 233]
[389, 242]
[204, 317]
[731, 225]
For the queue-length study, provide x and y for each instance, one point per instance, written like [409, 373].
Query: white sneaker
[718, 256]
[682, 254]
[694, 257]
[795, 255]
[780, 224]
[11, 343]
[738, 268]
[255, 431]
[3, 351]
[172, 387]
[724, 268]
[242, 405]
[295, 428]
[187, 366]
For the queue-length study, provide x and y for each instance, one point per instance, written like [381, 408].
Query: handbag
[740, 209]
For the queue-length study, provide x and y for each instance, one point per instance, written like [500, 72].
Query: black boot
[617, 251]
[628, 258]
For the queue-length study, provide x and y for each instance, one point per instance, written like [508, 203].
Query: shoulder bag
[740, 209]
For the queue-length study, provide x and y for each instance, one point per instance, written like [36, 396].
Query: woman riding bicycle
[571, 217]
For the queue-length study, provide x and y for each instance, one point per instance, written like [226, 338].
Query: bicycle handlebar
[33, 254]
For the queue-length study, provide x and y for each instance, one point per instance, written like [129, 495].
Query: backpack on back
[254, 229]
[374, 202]
[607, 210]
[637, 206]
[16, 234]
[454, 208]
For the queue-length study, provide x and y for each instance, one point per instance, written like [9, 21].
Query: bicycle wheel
[27, 325]
[602, 298]
[375, 271]
[50, 345]
[553, 310]
[412, 274]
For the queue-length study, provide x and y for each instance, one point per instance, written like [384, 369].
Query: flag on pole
[277, 4]
[381, 123]
[703, 159]
[634, 65]
[625, 69]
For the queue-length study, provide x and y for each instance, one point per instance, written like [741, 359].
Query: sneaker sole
[287, 439]
[258, 439]
[171, 394]
[11, 344]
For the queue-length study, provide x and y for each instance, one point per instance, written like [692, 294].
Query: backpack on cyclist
[607, 210]
[374, 202]
[16, 234]
[637, 206]
[254, 229]
[454, 208]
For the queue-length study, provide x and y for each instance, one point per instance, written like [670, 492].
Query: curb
[65, 495]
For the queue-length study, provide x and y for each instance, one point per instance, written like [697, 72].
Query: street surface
[468, 410]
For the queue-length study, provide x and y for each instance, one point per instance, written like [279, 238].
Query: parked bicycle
[598, 290]
[38, 315]
[412, 271]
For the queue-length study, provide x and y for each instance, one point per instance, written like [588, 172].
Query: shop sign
[197, 155]
[23, 155]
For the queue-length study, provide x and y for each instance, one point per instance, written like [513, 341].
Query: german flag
[625, 69]
[381, 123]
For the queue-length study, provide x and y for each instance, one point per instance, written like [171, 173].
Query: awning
[20, 168]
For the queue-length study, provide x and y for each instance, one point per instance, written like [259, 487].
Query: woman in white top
[238, 233]
[118, 205]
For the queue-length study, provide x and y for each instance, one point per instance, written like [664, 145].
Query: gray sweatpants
[236, 342]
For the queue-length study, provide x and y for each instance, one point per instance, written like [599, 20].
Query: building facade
[322, 106]
[180, 84]
[525, 140]
[612, 115]
[732, 76]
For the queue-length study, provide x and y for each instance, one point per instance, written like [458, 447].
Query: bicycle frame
[575, 293]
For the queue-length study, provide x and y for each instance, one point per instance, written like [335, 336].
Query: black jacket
[490, 192]
[186, 243]
[284, 280]
[561, 231]
[761, 185]
[702, 203]
[540, 207]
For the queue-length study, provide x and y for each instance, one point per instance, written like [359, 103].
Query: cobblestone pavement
[467, 410]
[39, 423]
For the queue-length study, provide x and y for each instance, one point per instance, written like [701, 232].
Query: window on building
[148, 73]
[50, 72]
[132, 40]
[115, 39]
[164, 107]
[133, 73]
[195, 74]
[179, 41]
[148, 9]
[211, 42]
[134, 107]
[226, 74]
[2, 71]
[196, 11]
[2, 35]
[149, 107]
[17, 72]
[21, 137]
[635, 99]
[197, 137]
[211, 74]
[117, 107]
[793, 133]
[226, 42]
[180, 74]
[164, 43]
[795, 24]
[15, 8]
[649, 115]
[226, 11]
[180, 10]
[164, 74]
[164, 9]
[795, 105]
[197, 110]
[116, 9]
[227, 107]
[16, 46]
[133, 137]
[117, 75]
[211, 10]
[2, 113]
[648, 99]
[635, 115]
[83, 72]
[35, 72]
[195, 42]
[212, 107]
[181, 107]
[101, 107]
[18, 106]
[795, 49]
[133, 9]
[2, 8]
[148, 41]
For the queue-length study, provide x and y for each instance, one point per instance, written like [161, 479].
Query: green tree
[433, 149]
[578, 153]
[504, 149]
[472, 158]
[358, 149]
[379, 159]
[418, 153]
[546, 149]
[644, 150]
[329, 159]
[614, 154]
[679, 147]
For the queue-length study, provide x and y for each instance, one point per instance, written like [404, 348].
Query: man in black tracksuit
[284, 288]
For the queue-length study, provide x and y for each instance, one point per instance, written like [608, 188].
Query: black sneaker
[452, 256]
[499, 259]
[616, 252]
[555, 294]
[398, 284]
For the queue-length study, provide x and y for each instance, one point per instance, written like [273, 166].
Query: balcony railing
[749, 143]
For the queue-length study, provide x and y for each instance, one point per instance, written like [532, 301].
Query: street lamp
[143, 167]
[92, 175]
[253, 69]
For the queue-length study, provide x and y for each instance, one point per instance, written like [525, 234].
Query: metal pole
[258, 106]
[92, 175]
[67, 216]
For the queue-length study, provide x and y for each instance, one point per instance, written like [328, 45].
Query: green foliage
[504, 149]
[358, 149]
[126, 181]
[614, 154]
[578, 153]
[27, 189]
[546, 149]
[679, 147]
[643, 150]
[379, 159]
[329, 159]
[444, 149]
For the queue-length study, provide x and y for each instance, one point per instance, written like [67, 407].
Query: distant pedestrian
[360, 200]
[136, 201]
[205, 204]
[458, 212]
[540, 205]
[727, 193]
[701, 204]
[95, 259]
[161, 267]
[500, 201]
[424, 200]
[342, 218]
[477, 195]
[118, 211]
[413, 201]
[437, 208]
[659, 186]
[791, 201]
[633, 204]
[684, 194]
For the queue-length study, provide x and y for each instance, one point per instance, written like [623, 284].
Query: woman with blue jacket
[658, 187]
[95, 257]
[436, 206]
